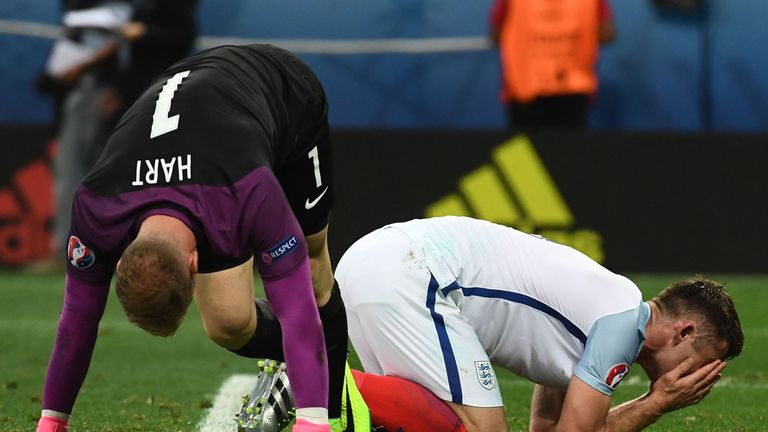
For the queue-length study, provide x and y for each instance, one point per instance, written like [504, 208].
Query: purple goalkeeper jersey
[230, 223]
[213, 169]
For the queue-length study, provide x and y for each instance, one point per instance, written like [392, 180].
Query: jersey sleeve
[75, 339]
[87, 260]
[293, 302]
[277, 239]
[89, 271]
[281, 256]
[612, 346]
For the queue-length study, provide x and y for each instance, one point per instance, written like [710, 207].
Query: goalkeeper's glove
[307, 426]
[52, 424]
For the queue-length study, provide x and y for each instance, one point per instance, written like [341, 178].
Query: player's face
[701, 353]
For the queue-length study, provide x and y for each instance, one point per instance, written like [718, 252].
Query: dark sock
[267, 342]
[334, 318]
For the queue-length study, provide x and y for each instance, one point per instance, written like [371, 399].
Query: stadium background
[667, 71]
[409, 68]
[671, 179]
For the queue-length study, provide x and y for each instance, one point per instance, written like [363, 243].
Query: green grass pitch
[142, 383]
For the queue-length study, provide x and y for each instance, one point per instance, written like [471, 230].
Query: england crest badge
[485, 374]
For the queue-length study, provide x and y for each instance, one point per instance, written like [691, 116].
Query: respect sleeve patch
[280, 250]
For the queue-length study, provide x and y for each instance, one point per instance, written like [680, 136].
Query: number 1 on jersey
[314, 156]
[316, 161]
[161, 123]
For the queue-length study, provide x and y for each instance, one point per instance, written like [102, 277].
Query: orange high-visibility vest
[549, 47]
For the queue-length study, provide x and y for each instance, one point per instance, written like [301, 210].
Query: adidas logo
[516, 190]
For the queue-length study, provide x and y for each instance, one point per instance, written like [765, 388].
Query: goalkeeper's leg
[267, 343]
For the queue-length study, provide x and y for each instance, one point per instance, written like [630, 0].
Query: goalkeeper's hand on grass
[307, 426]
[52, 424]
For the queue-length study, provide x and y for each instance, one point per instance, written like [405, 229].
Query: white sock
[55, 414]
[314, 415]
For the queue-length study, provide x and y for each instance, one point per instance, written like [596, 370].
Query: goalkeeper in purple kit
[222, 163]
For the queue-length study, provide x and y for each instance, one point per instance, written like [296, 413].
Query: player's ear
[117, 266]
[684, 331]
[192, 263]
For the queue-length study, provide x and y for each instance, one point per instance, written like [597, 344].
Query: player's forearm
[293, 303]
[75, 340]
[69, 362]
[104, 54]
[546, 405]
[634, 415]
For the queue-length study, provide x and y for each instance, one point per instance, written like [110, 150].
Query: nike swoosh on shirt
[309, 204]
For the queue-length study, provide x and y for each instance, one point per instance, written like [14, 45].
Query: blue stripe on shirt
[522, 299]
[452, 370]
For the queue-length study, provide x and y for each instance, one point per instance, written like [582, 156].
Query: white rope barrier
[301, 46]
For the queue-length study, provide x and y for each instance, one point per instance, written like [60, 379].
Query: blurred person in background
[80, 71]
[160, 33]
[548, 53]
[109, 52]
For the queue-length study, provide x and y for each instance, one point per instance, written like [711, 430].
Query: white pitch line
[227, 402]
[220, 416]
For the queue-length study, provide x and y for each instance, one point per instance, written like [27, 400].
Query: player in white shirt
[438, 301]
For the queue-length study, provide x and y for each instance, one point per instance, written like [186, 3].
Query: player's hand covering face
[685, 385]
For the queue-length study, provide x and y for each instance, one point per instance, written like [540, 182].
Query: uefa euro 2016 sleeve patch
[280, 250]
[616, 374]
[78, 254]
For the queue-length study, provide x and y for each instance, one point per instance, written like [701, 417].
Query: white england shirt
[540, 309]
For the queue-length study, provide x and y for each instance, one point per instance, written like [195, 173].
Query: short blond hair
[154, 286]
